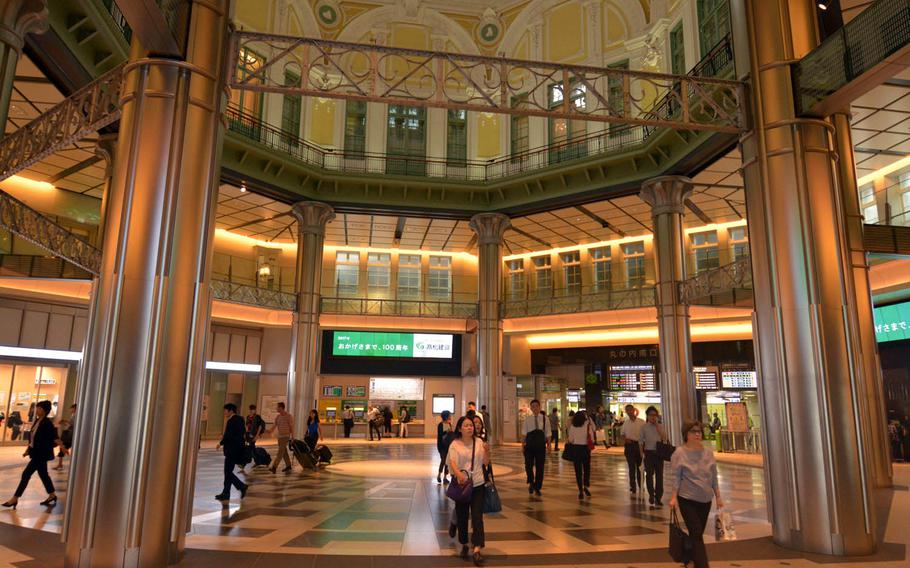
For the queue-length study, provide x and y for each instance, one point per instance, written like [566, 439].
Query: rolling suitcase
[261, 457]
[324, 453]
[302, 454]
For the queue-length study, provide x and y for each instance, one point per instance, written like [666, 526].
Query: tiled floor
[379, 504]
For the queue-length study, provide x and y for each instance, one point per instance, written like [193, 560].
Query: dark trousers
[229, 477]
[633, 458]
[554, 435]
[582, 463]
[695, 514]
[654, 474]
[375, 427]
[388, 427]
[39, 467]
[443, 466]
[348, 426]
[534, 460]
[475, 510]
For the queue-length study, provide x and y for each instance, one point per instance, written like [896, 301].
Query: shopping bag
[723, 526]
[680, 544]
[491, 501]
[568, 452]
[665, 451]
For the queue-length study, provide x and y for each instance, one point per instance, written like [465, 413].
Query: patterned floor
[379, 505]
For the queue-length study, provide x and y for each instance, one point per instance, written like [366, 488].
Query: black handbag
[665, 451]
[568, 452]
[491, 501]
[462, 493]
[680, 544]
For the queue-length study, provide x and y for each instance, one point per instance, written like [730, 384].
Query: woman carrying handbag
[580, 437]
[466, 458]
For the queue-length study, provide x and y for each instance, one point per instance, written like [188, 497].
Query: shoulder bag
[462, 493]
[491, 501]
[665, 450]
[680, 543]
[568, 452]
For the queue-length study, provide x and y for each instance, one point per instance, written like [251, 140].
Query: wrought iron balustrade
[582, 301]
[864, 42]
[392, 307]
[719, 285]
[253, 296]
[34, 227]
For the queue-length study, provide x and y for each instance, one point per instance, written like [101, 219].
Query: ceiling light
[882, 172]
[238, 367]
[243, 187]
[822, 5]
[27, 353]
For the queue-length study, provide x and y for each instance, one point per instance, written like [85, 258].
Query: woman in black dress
[40, 451]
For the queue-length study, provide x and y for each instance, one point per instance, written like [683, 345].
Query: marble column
[312, 217]
[666, 195]
[808, 349]
[17, 18]
[872, 409]
[131, 483]
[490, 228]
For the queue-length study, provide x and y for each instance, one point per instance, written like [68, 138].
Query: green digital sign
[892, 323]
[390, 344]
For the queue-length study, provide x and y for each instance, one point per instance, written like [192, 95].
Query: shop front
[727, 398]
[26, 381]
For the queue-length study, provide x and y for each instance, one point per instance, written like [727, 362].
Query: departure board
[739, 379]
[705, 379]
[632, 378]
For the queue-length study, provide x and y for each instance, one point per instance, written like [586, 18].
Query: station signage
[705, 378]
[892, 323]
[632, 378]
[391, 344]
[739, 379]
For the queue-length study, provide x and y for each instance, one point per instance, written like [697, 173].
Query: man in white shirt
[535, 442]
[631, 433]
[347, 418]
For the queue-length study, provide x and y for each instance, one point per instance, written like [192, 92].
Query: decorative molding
[722, 280]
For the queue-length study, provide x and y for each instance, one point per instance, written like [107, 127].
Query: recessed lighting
[822, 5]
[242, 188]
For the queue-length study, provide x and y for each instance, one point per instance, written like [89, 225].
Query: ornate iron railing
[253, 296]
[483, 84]
[34, 227]
[615, 140]
[618, 299]
[877, 32]
[707, 287]
[410, 308]
[86, 111]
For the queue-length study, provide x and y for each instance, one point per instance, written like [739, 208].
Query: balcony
[393, 307]
[586, 299]
[35, 266]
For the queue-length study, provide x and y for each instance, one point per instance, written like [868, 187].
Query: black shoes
[11, 503]
[243, 490]
[439, 478]
[478, 558]
[651, 499]
[222, 497]
[530, 489]
[452, 530]
[50, 501]
[464, 551]
[287, 469]
[587, 491]
[537, 492]
[581, 495]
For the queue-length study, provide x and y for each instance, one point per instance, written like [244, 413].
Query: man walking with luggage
[284, 423]
[535, 443]
[631, 433]
[347, 417]
[651, 434]
[255, 426]
[232, 442]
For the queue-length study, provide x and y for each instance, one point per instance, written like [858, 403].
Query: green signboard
[892, 322]
[389, 344]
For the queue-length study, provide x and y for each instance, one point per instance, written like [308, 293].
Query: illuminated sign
[632, 378]
[705, 379]
[739, 379]
[394, 388]
[386, 344]
[892, 323]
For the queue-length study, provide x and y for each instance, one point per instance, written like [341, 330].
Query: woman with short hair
[467, 457]
[694, 474]
[580, 431]
[40, 450]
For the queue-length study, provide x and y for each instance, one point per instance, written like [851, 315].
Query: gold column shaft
[17, 18]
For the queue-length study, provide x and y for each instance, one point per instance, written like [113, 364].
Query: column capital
[21, 17]
[312, 216]
[105, 149]
[490, 227]
[666, 194]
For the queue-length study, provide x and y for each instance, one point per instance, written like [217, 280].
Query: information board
[355, 392]
[632, 378]
[395, 388]
[443, 402]
[892, 323]
[386, 344]
[739, 379]
[737, 416]
[332, 391]
[705, 379]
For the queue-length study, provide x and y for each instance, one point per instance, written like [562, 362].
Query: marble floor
[379, 504]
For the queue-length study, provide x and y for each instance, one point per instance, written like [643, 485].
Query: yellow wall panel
[488, 129]
[565, 33]
[254, 15]
[614, 26]
[409, 36]
[322, 121]
[522, 49]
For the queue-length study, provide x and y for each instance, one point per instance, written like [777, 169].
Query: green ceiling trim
[89, 32]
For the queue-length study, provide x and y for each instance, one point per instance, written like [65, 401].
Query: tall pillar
[808, 350]
[872, 400]
[140, 400]
[312, 217]
[17, 18]
[105, 148]
[666, 195]
[490, 228]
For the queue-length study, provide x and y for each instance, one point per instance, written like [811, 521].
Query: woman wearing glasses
[694, 475]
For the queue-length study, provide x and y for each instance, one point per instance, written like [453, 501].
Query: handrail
[393, 307]
[736, 275]
[610, 299]
[253, 296]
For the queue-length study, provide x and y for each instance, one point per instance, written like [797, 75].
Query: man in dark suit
[232, 443]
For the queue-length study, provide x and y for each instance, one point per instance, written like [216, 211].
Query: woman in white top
[580, 429]
[464, 451]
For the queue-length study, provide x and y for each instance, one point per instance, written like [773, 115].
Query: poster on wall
[386, 344]
[892, 323]
[443, 402]
[356, 392]
[332, 391]
[268, 406]
[396, 388]
[737, 416]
